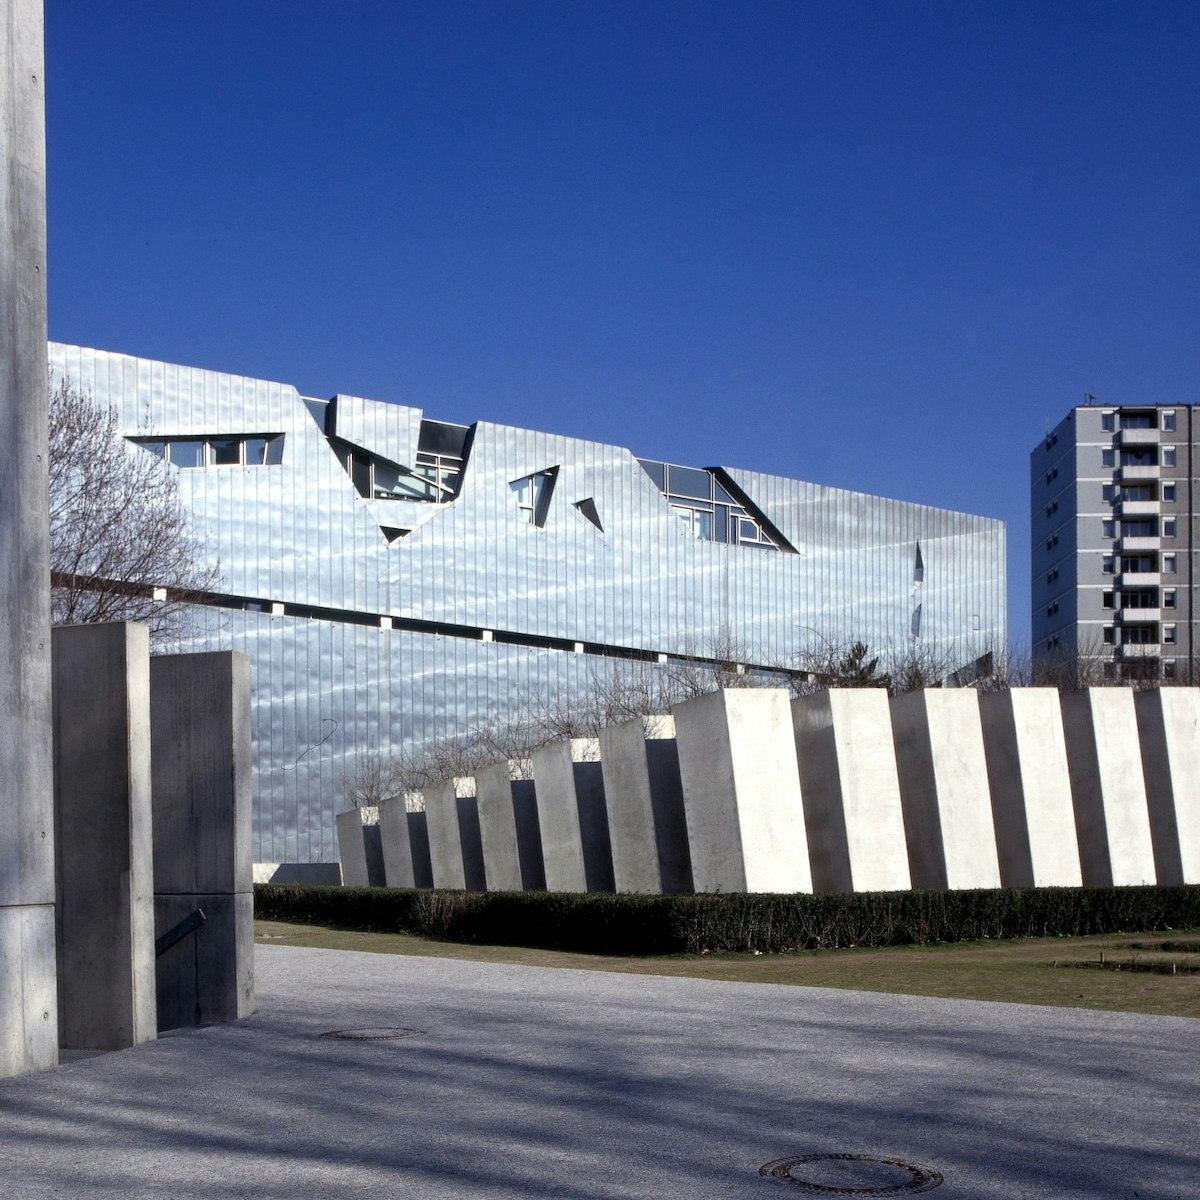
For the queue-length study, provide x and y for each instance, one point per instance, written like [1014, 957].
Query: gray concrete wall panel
[741, 792]
[942, 769]
[1030, 788]
[498, 827]
[395, 843]
[360, 842]
[851, 793]
[630, 806]
[445, 835]
[558, 813]
[1111, 815]
[104, 843]
[1169, 726]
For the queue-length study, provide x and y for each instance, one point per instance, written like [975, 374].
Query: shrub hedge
[601, 923]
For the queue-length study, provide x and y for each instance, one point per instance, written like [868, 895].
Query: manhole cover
[852, 1175]
[380, 1033]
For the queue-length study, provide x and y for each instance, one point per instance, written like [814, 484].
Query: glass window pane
[656, 471]
[687, 481]
[186, 453]
[256, 451]
[226, 452]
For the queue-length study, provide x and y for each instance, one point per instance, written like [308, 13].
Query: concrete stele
[395, 843]
[851, 791]
[28, 1004]
[1030, 788]
[498, 826]
[104, 843]
[360, 846]
[1169, 725]
[572, 816]
[942, 769]
[200, 770]
[454, 853]
[1112, 819]
[741, 792]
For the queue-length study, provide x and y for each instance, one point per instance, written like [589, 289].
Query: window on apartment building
[1168, 420]
[1168, 527]
[1108, 528]
[1143, 419]
[1168, 492]
[1168, 456]
[1168, 635]
[1168, 668]
[1110, 635]
[1108, 493]
[1139, 527]
[1137, 491]
[1137, 635]
[1108, 458]
[1140, 456]
[1108, 564]
[1106, 599]
[1108, 421]
[1168, 564]
[1140, 598]
[1136, 564]
[1168, 598]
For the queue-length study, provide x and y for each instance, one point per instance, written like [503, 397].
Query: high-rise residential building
[1113, 526]
[398, 579]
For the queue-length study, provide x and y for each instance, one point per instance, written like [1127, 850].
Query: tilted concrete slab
[851, 793]
[572, 816]
[395, 843]
[104, 842]
[942, 770]
[452, 821]
[1169, 727]
[1109, 790]
[1030, 788]
[360, 845]
[741, 792]
[498, 826]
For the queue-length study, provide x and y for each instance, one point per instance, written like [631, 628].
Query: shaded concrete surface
[528, 1082]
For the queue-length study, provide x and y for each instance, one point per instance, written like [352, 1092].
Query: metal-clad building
[395, 578]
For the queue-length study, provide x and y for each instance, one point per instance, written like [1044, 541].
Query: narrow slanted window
[587, 509]
[918, 566]
[533, 494]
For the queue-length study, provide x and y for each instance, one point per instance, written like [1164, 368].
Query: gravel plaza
[513, 1081]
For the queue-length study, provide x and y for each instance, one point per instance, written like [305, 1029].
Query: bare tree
[120, 545]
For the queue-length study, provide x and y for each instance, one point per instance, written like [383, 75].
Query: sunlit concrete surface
[525, 1082]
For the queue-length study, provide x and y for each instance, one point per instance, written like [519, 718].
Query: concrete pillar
[572, 816]
[452, 820]
[529, 831]
[1169, 725]
[498, 827]
[1104, 759]
[1030, 788]
[360, 847]
[942, 770]
[200, 764]
[418, 839]
[28, 1005]
[395, 840]
[647, 825]
[851, 792]
[103, 838]
[741, 792]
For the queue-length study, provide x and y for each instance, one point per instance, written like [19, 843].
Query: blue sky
[875, 245]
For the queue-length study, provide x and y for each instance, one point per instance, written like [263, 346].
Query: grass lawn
[1118, 972]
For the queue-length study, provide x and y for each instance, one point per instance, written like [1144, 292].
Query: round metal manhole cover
[852, 1175]
[379, 1033]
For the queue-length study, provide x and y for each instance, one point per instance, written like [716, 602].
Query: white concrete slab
[498, 826]
[1030, 788]
[1169, 726]
[1109, 790]
[395, 843]
[360, 847]
[741, 792]
[445, 834]
[851, 792]
[942, 770]
[572, 816]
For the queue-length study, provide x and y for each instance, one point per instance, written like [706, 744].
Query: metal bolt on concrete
[521, 1082]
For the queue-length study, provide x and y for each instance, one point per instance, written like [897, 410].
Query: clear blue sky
[872, 245]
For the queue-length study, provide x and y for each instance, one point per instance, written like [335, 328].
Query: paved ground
[524, 1082]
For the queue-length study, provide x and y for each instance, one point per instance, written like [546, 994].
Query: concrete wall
[851, 793]
[396, 843]
[200, 757]
[1030, 788]
[498, 827]
[360, 844]
[445, 836]
[741, 792]
[942, 770]
[103, 838]
[1104, 760]
[1169, 727]
[573, 817]
[28, 1004]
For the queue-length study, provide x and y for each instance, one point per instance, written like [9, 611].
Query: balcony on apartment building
[1136, 437]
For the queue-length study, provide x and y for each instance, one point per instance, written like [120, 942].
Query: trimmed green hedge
[602, 923]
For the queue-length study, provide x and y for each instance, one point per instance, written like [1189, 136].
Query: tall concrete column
[28, 1004]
